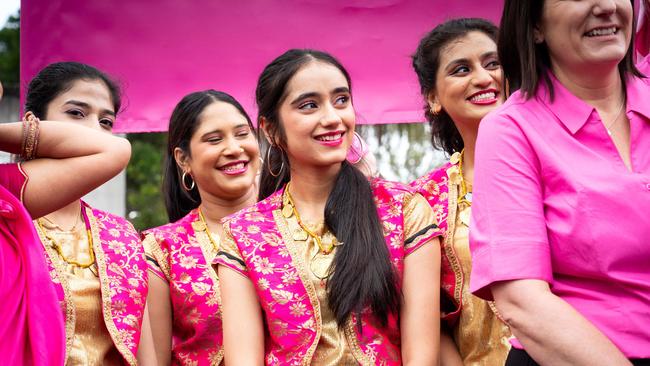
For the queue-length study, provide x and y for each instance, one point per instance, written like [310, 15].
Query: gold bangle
[30, 138]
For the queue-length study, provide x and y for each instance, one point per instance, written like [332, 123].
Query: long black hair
[57, 78]
[361, 273]
[426, 61]
[525, 63]
[182, 125]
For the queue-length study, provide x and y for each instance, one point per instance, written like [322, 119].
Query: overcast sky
[7, 8]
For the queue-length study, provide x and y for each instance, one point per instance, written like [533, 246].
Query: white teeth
[329, 137]
[234, 167]
[601, 32]
[483, 96]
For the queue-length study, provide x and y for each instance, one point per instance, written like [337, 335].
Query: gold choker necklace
[58, 248]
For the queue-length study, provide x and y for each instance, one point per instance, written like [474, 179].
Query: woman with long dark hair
[559, 231]
[95, 258]
[460, 79]
[328, 268]
[70, 160]
[211, 167]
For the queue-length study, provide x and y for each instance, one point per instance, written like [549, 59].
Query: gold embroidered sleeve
[229, 254]
[420, 225]
[155, 257]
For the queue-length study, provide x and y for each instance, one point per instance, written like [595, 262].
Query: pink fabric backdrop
[161, 50]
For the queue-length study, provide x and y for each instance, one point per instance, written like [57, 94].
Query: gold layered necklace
[58, 248]
[207, 231]
[464, 196]
[289, 209]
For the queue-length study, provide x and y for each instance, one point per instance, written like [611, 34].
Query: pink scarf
[31, 332]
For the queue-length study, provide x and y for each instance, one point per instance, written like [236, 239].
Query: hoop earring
[185, 187]
[268, 159]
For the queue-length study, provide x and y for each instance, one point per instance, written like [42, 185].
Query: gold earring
[184, 184]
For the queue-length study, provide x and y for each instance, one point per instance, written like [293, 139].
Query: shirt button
[647, 186]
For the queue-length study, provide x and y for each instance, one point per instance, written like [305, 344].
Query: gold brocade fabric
[92, 344]
[332, 348]
[481, 337]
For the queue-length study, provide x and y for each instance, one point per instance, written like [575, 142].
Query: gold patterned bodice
[332, 348]
[92, 343]
[481, 337]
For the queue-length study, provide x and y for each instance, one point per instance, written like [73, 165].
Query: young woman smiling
[460, 77]
[320, 270]
[211, 168]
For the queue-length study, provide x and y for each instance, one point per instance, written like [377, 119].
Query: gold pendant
[464, 216]
[287, 211]
[299, 234]
[198, 226]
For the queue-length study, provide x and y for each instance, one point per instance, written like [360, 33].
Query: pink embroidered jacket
[287, 295]
[122, 276]
[435, 188]
[184, 256]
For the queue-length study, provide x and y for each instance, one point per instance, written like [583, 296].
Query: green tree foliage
[10, 53]
[144, 202]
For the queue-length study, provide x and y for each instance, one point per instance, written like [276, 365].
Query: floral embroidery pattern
[287, 295]
[439, 188]
[122, 276]
[184, 253]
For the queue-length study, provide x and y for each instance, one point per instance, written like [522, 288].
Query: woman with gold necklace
[321, 269]
[211, 168]
[95, 258]
[460, 77]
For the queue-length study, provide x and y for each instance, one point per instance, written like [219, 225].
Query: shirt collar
[638, 96]
[572, 111]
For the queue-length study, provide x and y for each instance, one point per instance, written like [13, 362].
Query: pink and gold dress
[289, 272]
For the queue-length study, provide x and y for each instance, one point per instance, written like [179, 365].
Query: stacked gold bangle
[30, 138]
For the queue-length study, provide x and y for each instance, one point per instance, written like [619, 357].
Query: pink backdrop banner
[160, 50]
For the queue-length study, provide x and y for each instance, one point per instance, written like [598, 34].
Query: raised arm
[71, 160]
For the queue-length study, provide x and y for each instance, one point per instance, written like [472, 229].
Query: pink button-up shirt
[554, 201]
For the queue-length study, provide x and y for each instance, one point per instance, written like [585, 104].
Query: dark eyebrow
[465, 61]
[87, 106]
[220, 131]
[339, 90]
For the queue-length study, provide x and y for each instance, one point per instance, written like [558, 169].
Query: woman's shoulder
[261, 209]
[181, 226]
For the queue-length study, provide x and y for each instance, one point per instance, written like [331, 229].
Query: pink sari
[32, 331]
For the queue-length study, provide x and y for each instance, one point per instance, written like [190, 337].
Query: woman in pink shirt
[559, 229]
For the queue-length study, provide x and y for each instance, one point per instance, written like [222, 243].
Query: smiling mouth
[598, 32]
[484, 96]
[330, 137]
[234, 167]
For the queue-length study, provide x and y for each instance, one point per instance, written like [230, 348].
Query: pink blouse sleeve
[13, 179]
[508, 238]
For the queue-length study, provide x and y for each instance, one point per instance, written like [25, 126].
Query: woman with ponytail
[211, 167]
[328, 268]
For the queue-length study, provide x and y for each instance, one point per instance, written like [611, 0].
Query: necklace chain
[59, 250]
[317, 238]
[464, 196]
[207, 230]
[611, 124]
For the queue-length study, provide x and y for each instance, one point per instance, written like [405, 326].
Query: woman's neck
[602, 89]
[468, 133]
[310, 188]
[214, 208]
[66, 217]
